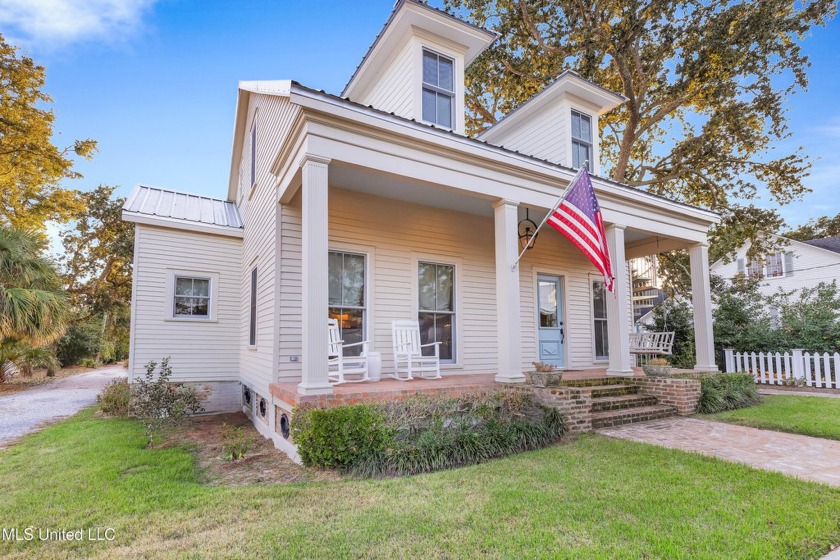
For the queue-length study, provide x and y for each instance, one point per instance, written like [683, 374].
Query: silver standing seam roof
[153, 201]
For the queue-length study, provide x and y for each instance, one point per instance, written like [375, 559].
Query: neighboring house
[374, 206]
[797, 265]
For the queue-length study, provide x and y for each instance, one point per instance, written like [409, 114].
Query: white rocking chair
[341, 366]
[409, 360]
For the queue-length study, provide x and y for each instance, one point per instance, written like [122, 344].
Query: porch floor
[391, 389]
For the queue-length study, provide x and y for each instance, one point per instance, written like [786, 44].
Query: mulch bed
[264, 464]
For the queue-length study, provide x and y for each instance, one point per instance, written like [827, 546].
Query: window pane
[427, 278]
[443, 300]
[602, 349]
[353, 281]
[575, 125]
[183, 306]
[430, 68]
[335, 278]
[199, 306]
[351, 325]
[548, 304]
[429, 110]
[183, 286]
[585, 128]
[599, 302]
[437, 327]
[201, 287]
[444, 110]
[445, 74]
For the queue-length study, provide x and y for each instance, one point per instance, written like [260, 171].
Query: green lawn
[811, 416]
[592, 498]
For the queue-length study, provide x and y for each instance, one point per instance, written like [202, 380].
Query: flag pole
[550, 212]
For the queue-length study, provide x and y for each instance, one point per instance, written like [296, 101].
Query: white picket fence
[775, 368]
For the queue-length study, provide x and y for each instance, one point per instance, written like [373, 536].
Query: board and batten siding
[395, 235]
[259, 210]
[199, 350]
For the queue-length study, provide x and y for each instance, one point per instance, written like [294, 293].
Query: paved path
[801, 456]
[28, 410]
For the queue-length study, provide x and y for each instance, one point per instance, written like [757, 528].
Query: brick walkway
[800, 456]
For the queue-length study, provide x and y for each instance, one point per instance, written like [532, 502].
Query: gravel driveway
[29, 410]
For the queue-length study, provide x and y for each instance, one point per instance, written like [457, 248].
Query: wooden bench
[654, 343]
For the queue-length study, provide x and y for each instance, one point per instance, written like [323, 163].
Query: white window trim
[369, 255]
[169, 308]
[455, 97]
[592, 279]
[458, 263]
[572, 139]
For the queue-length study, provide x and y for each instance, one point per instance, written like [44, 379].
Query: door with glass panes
[552, 336]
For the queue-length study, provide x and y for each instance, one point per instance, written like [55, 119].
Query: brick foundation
[682, 393]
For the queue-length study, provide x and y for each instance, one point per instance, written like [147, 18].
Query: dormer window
[438, 89]
[581, 140]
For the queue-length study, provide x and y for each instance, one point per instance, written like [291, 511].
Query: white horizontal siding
[259, 210]
[395, 235]
[199, 351]
[543, 135]
[392, 91]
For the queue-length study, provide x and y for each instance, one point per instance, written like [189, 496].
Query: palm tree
[34, 309]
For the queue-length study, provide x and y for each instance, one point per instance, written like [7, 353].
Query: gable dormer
[415, 67]
[559, 124]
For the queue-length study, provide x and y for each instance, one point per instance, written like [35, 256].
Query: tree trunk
[50, 372]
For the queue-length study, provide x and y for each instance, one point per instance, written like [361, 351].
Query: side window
[347, 296]
[191, 298]
[438, 89]
[581, 140]
[599, 318]
[436, 288]
[252, 322]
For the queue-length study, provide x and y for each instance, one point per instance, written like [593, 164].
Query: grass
[810, 416]
[591, 498]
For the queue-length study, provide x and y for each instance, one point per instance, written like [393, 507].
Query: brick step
[591, 382]
[614, 390]
[621, 402]
[611, 418]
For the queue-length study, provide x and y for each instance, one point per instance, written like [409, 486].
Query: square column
[701, 299]
[618, 307]
[315, 276]
[508, 319]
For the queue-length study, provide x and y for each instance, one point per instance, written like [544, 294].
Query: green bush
[79, 342]
[159, 402]
[115, 398]
[727, 391]
[423, 434]
[340, 437]
[236, 442]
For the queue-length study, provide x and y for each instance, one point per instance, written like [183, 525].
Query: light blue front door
[550, 320]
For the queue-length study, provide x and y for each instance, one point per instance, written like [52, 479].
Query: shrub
[423, 434]
[79, 342]
[236, 442]
[158, 402]
[727, 391]
[89, 363]
[340, 437]
[115, 398]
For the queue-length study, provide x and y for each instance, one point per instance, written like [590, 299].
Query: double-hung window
[599, 316]
[191, 297]
[581, 140]
[438, 89]
[436, 288]
[347, 296]
[775, 266]
[252, 323]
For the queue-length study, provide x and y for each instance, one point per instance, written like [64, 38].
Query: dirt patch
[20, 383]
[264, 464]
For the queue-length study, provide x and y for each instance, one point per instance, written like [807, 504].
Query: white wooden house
[373, 206]
[796, 265]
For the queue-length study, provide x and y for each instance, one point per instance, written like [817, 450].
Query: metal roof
[153, 201]
[830, 243]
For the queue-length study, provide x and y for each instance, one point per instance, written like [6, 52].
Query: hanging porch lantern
[527, 229]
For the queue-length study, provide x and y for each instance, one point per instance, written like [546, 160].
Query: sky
[154, 81]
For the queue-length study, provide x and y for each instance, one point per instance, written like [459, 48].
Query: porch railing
[796, 367]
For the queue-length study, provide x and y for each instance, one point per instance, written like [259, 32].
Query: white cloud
[50, 23]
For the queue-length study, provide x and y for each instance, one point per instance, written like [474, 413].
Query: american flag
[578, 217]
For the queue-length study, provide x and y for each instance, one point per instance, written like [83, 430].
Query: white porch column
[618, 307]
[701, 297]
[315, 277]
[508, 318]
